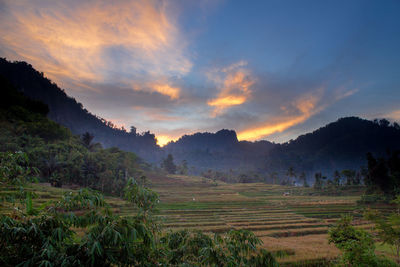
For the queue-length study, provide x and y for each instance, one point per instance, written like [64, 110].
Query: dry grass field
[292, 222]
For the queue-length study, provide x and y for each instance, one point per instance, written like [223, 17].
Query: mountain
[339, 145]
[68, 112]
[218, 151]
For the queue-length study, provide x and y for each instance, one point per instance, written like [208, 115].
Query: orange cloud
[394, 115]
[165, 89]
[71, 40]
[234, 87]
[304, 108]
[227, 101]
[161, 117]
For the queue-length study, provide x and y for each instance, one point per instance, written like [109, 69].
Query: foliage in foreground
[80, 230]
[357, 245]
[60, 157]
[388, 227]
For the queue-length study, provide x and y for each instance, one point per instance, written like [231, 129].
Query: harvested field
[293, 227]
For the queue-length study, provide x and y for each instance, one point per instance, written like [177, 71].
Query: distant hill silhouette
[339, 145]
[219, 151]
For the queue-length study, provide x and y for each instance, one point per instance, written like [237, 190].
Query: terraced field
[291, 222]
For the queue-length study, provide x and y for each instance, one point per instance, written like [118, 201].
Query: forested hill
[339, 145]
[71, 114]
[219, 151]
[203, 151]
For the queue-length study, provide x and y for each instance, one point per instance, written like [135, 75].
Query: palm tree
[290, 173]
[303, 178]
[87, 139]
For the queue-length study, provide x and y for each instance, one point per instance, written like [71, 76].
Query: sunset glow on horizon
[266, 69]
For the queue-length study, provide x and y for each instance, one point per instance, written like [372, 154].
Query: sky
[270, 70]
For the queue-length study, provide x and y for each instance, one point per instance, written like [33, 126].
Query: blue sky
[267, 69]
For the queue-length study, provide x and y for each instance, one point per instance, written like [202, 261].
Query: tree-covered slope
[341, 144]
[338, 145]
[68, 112]
[58, 156]
[219, 151]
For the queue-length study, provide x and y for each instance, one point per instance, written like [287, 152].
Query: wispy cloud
[393, 115]
[165, 89]
[97, 41]
[297, 112]
[233, 83]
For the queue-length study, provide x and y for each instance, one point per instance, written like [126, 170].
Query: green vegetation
[383, 174]
[357, 245]
[168, 164]
[81, 230]
[60, 157]
[181, 220]
[388, 227]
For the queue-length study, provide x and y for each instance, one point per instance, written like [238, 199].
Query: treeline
[337, 146]
[81, 230]
[68, 112]
[59, 156]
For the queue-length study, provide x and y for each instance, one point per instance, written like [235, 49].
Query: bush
[357, 245]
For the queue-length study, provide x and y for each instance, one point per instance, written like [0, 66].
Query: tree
[243, 178]
[357, 245]
[350, 176]
[319, 183]
[169, 165]
[357, 178]
[87, 141]
[383, 175]
[48, 237]
[183, 168]
[388, 227]
[53, 169]
[290, 174]
[274, 177]
[336, 178]
[303, 178]
[133, 130]
[384, 122]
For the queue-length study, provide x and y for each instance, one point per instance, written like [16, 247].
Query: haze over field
[268, 70]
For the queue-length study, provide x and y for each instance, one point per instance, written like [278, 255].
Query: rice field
[292, 222]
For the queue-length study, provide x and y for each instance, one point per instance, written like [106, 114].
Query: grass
[293, 227]
[297, 223]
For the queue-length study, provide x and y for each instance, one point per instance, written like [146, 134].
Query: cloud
[129, 61]
[97, 41]
[233, 83]
[297, 112]
[393, 115]
[165, 89]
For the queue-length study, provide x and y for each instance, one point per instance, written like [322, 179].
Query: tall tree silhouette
[87, 141]
[169, 165]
